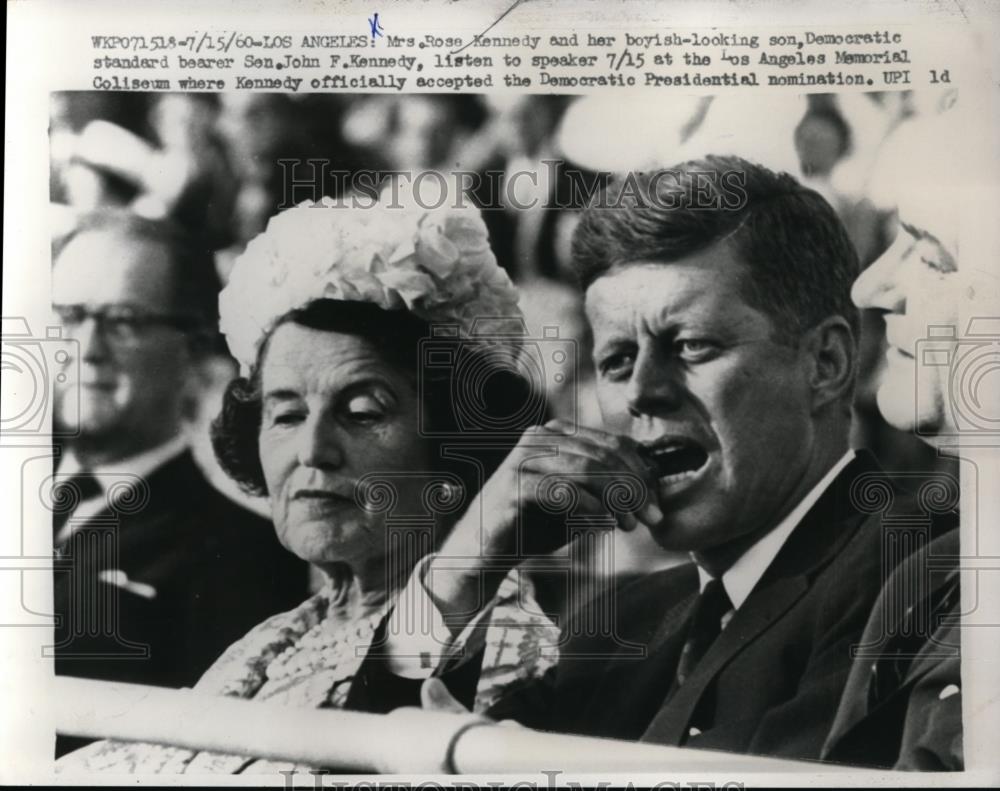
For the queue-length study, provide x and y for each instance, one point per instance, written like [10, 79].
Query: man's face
[690, 370]
[916, 283]
[131, 375]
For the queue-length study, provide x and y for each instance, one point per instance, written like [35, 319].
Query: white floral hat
[435, 263]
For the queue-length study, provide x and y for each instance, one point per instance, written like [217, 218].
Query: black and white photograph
[369, 422]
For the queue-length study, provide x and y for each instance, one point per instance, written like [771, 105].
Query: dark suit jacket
[217, 570]
[903, 709]
[771, 683]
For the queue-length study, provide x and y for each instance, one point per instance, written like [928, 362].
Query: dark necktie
[706, 624]
[67, 494]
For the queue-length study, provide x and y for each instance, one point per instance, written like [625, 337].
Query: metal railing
[404, 741]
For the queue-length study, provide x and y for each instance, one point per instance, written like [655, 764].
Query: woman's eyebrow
[281, 394]
[375, 384]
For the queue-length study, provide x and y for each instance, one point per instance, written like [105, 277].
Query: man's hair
[194, 281]
[800, 262]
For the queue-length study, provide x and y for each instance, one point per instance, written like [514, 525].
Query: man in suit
[725, 347]
[902, 705]
[156, 571]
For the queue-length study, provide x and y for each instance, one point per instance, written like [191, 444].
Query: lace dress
[308, 657]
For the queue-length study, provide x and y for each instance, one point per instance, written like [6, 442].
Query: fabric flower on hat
[435, 263]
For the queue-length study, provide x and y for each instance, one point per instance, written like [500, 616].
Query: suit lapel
[154, 538]
[757, 614]
[817, 539]
[673, 622]
[621, 698]
[854, 705]
[854, 699]
[147, 530]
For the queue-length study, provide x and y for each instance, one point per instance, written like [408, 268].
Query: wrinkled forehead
[113, 266]
[709, 285]
[310, 359]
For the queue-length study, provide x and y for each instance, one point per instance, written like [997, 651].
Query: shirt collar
[745, 573]
[141, 464]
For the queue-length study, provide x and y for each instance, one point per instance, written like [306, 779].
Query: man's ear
[833, 357]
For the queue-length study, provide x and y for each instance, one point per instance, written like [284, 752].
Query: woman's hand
[555, 471]
[435, 696]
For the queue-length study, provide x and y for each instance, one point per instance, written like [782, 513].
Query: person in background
[156, 571]
[161, 160]
[620, 556]
[902, 706]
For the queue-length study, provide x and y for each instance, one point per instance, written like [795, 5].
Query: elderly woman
[340, 421]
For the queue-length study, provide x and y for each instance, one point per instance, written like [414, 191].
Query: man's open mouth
[675, 458]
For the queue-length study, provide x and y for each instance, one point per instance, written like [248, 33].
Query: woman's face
[333, 411]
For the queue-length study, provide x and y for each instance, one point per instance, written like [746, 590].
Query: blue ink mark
[375, 25]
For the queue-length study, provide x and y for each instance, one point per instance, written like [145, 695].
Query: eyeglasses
[121, 323]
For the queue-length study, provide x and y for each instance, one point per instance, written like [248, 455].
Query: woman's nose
[654, 387]
[879, 285]
[319, 445]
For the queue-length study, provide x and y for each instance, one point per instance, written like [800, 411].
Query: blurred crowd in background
[213, 164]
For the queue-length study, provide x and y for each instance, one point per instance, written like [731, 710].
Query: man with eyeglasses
[156, 571]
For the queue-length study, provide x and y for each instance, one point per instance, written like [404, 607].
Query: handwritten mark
[376, 26]
[483, 33]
